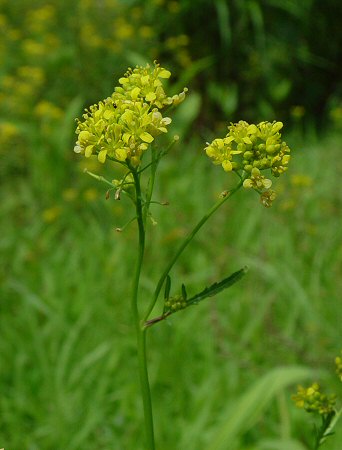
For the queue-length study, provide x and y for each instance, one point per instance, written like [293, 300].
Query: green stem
[150, 185]
[185, 243]
[140, 332]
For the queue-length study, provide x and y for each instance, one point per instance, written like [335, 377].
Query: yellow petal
[102, 156]
[219, 143]
[229, 139]
[88, 151]
[150, 96]
[127, 116]
[210, 151]
[252, 129]
[123, 80]
[146, 137]
[227, 166]
[277, 126]
[145, 79]
[134, 93]
[84, 136]
[121, 154]
[126, 137]
[164, 73]
[108, 114]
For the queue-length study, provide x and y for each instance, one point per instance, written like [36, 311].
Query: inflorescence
[312, 400]
[250, 149]
[122, 126]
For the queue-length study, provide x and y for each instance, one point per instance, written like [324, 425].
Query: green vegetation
[222, 373]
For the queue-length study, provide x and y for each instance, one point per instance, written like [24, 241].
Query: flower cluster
[251, 149]
[123, 126]
[312, 400]
[175, 303]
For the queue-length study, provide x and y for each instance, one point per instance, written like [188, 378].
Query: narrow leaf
[215, 288]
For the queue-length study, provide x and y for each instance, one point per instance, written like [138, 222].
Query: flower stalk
[141, 333]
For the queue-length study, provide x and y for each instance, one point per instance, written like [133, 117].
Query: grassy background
[222, 373]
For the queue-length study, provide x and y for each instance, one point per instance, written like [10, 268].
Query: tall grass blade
[243, 414]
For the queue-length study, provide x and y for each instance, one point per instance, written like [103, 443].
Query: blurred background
[67, 347]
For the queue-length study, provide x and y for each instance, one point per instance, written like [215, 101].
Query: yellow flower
[248, 149]
[221, 151]
[123, 126]
[312, 400]
[145, 83]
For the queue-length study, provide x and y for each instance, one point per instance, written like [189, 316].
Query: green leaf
[215, 288]
[247, 409]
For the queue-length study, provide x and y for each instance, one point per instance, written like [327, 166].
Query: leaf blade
[217, 287]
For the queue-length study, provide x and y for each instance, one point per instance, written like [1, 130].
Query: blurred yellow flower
[49, 215]
[48, 111]
[33, 48]
[146, 32]
[297, 112]
[301, 180]
[8, 130]
[90, 195]
[123, 29]
[69, 194]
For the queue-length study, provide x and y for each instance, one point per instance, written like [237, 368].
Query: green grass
[222, 372]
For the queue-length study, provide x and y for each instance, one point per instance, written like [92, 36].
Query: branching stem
[184, 244]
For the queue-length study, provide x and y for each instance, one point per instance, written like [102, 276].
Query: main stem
[185, 243]
[140, 332]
